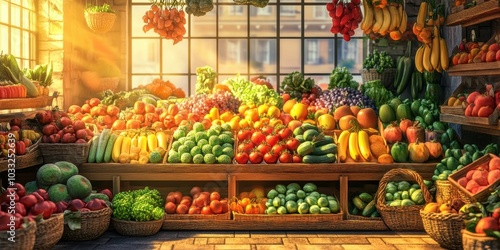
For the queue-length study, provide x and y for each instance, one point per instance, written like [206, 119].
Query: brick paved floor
[260, 240]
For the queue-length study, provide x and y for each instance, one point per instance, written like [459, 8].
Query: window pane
[290, 60]
[174, 57]
[318, 55]
[232, 56]
[263, 55]
[138, 23]
[203, 53]
[142, 80]
[204, 26]
[290, 17]
[263, 21]
[33, 21]
[4, 44]
[25, 44]
[15, 40]
[233, 21]
[178, 81]
[4, 17]
[317, 21]
[146, 59]
[15, 16]
[26, 19]
[350, 54]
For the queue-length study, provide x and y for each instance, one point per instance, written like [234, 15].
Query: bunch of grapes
[201, 104]
[167, 22]
[346, 17]
[336, 97]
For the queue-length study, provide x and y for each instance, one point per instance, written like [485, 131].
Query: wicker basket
[32, 158]
[386, 78]
[473, 241]
[445, 229]
[94, 224]
[401, 218]
[24, 238]
[95, 83]
[49, 232]
[137, 228]
[445, 192]
[75, 153]
[100, 22]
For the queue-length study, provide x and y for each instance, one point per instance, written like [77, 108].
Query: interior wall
[83, 48]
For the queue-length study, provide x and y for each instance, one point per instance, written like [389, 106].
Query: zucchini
[305, 148]
[327, 158]
[369, 209]
[101, 146]
[366, 197]
[310, 134]
[375, 214]
[93, 149]
[325, 149]
[31, 89]
[109, 147]
[326, 140]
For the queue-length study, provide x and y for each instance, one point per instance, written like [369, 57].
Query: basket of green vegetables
[379, 66]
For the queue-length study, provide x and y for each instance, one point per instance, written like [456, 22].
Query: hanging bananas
[384, 18]
[433, 54]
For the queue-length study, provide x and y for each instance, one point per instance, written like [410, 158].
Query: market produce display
[403, 193]
[380, 61]
[477, 52]
[253, 202]
[198, 202]
[17, 134]
[42, 75]
[10, 71]
[293, 199]
[482, 176]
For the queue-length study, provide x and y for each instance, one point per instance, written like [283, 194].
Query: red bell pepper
[20, 148]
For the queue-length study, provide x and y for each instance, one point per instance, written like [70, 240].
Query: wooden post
[116, 184]
[231, 189]
[344, 195]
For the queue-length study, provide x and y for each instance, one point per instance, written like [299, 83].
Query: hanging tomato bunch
[166, 20]
[346, 16]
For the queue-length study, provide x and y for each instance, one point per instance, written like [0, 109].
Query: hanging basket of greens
[99, 18]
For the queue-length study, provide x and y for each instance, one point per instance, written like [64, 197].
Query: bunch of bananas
[433, 54]
[384, 18]
[356, 144]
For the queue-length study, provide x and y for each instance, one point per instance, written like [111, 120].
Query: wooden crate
[464, 87]
[290, 218]
[471, 120]
[480, 196]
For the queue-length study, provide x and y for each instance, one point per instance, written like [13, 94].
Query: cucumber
[326, 140]
[325, 149]
[101, 146]
[375, 214]
[327, 158]
[93, 149]
[109, 147]
[310, 134]
[355, 211]
[300, 138]
[298, 131]
[307, 126]
[369, 209]
[305, 148]
[366, 197]
[358, 203]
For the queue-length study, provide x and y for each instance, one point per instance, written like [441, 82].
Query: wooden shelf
[26, 103]
[482, 12]
[475, 69]
[481, 128]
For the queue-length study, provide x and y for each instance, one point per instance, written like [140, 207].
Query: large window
[18, 30]
[285, 36]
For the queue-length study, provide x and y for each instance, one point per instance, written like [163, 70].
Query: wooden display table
[232, 174]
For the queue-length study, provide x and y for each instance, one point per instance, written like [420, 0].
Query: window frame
[26, 27]
[279, 73]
